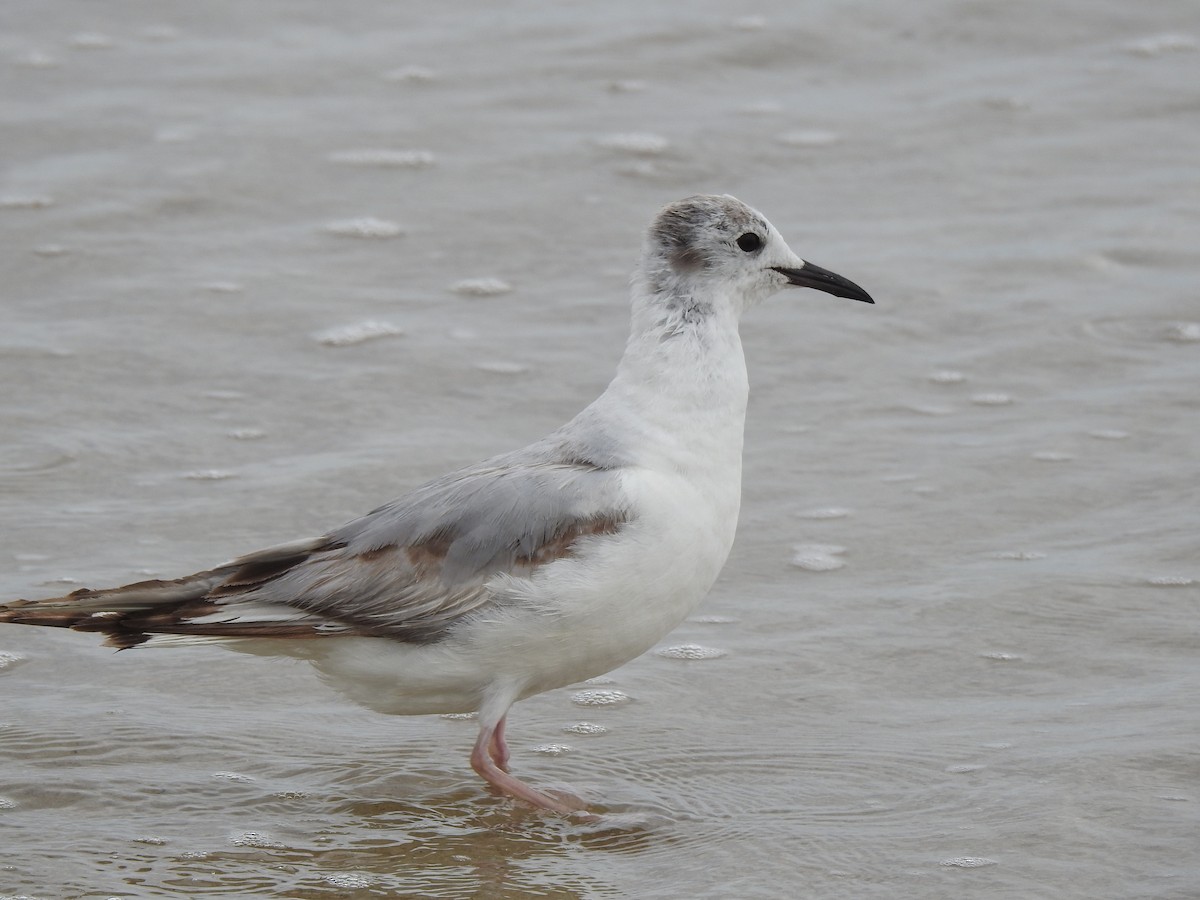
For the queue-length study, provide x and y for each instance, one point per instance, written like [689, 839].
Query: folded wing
[409, 570]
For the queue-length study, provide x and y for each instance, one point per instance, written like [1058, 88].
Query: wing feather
[409, 570]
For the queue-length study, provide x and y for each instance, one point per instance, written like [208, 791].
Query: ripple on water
[357, 333]
[600, 698]
[365, 227]
[223, 287]
[259, 839]
[25, 201]
[691, 652]
[349, 880]
[1138, 331]
[967, 862]
[1054, 456]
[809, 138]
[825, 512]
[501, 367]
[947, 376]
[384, 159]
[1158, 44]
[553, 749]
[209, 475]
[10, 660]
[815, 792]
[991, 398]
[635, 143]
[411, 75]
[818, 557]
[36, 59]
[481, 287]
[91, 40]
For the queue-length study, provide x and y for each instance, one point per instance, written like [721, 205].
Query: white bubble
[502, 367]
[691, 651]
[36, 59]
[554, 749]
[411, 75]
[348, 335]
[384, 159]
[209, 474]
[818, 557]
[1184, 332]
[1052, 456]
[1158, 44]
[994, 398]
[365, 227]
[600, 698]
[349, 880]
[639, 143]
[481, 287]
[968, 862]
[91, 40]
[811, 137]
[25, 201]
[947, 376]
[255, 839]
[825, 512]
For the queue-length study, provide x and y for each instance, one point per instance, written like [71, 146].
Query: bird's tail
[132, 614]
[103, 610]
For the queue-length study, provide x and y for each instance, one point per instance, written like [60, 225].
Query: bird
[537, 568]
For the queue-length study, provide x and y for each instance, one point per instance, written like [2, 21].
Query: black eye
[749, 242]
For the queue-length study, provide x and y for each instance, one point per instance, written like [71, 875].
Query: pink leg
[485, 761]
[498, 749]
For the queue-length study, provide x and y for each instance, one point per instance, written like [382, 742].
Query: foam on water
[637, 143]
[481, 287]
[825, 512]
[25, 201]
[600, 698]
[818, 557]
[691, 651]
[384, 159]
[357, 333]
[992, 398]
[365, 227]
[809, 138]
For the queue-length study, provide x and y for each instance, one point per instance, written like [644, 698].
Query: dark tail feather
[90, 610]
[130, 614]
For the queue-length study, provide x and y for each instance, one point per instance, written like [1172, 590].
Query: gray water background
[990, 690]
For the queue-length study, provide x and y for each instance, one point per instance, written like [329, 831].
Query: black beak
[824, 280]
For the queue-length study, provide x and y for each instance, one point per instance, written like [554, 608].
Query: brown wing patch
[562, 544]
[390, 591]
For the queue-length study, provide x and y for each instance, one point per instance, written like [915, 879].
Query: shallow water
[266, 267]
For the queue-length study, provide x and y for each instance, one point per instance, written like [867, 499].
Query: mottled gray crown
[691, 231]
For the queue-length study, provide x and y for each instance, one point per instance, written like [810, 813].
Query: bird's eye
[749, 242]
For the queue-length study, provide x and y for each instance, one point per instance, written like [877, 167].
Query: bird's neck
[681, 385]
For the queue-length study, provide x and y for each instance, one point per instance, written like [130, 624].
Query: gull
[534, 569]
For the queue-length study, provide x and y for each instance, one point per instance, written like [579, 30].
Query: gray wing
[408, 570]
